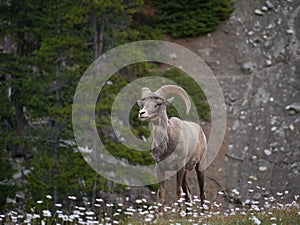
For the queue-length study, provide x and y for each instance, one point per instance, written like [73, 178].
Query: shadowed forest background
[45, 47]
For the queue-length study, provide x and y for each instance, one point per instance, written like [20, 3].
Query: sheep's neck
[160, 133]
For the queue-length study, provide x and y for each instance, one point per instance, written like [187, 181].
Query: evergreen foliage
[191, 18]
[46, 47]
[6, 172]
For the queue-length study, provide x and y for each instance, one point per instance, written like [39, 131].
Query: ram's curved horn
[145, 91]
[175, 90]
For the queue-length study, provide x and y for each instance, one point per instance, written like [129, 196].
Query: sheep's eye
[158, 104]
[140, 103]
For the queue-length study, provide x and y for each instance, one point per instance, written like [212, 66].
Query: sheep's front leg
[186, 189]
[180, 193]
[161, 188]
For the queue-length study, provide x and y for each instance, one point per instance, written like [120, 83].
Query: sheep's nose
[142, 113]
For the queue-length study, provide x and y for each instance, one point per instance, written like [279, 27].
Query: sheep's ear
[140, 103]
[169, 101]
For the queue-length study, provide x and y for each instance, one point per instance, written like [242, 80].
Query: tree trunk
[94, 193]
[20, 149]
[101, 34]
[98, 34]
[95, 34]
[98, 37]
[57, 128]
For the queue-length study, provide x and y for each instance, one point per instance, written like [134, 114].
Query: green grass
[140, 211]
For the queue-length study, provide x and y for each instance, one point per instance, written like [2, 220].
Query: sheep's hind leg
[200, 176]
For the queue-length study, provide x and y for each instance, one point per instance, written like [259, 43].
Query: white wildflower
[46, 213]
[256, 220]
[89, 213]
[88, 217]
[72, 197]
[138, 201]
[128, 213]
[148, 219]
[36, 216]
[49, 196]
[235, 191]
[130, 209]
[205, 206]
[28, 216]
[109, 205]
[116, 214]
[76, 212]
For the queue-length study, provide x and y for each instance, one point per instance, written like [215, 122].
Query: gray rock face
[265, 113]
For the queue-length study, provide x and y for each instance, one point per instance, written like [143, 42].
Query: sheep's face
[152, 108]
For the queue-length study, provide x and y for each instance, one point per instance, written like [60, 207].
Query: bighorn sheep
[177, 145]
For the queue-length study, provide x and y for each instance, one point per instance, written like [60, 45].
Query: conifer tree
[191, 18]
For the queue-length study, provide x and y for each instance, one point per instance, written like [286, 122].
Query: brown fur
[177, 145]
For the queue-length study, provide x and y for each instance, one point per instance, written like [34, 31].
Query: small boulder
[293, 108]
[269, 5]
[258, 12]
[289, 31]
[268, 62]
[262, 168]
[264, 8]
[248, 67]
[267, 152]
